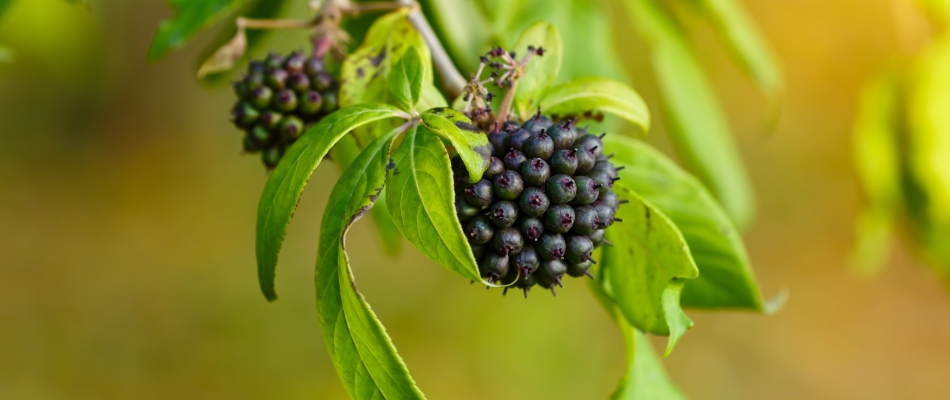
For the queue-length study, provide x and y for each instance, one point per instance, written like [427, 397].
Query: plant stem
[506, 105]
[452, 80]
[273, 23]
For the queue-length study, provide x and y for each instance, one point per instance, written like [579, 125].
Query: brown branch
[452, 80]
[506, 105]
[274, 23]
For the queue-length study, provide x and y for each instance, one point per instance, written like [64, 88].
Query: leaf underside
[596, 94]
[190, 18]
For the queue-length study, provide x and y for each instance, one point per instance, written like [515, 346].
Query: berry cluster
[277, 98]
[542, 206]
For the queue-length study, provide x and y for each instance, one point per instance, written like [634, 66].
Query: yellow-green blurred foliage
[127, 218]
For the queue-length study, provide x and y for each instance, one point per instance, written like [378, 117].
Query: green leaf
[343, 154]
[192, 16]
[598, 95]
[422, 203]
[287, 181]
[463, 29]
[4, 6]
[726, 279]
[647, 267]
[699, 130]
[431, 98]
[470, 142]
[406, 78]
[254, 9]
[877, 158]
[542, 70]
[362, 352]
[744, 41]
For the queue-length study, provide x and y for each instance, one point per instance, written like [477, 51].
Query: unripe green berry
[514, 159]
[295, 62]
[276, 79]
[313, 66]
[508, 185]
[323, 81]
[255, 77]
[261, 135]
[508, 241]
[560, 189]
[272, 156]
[329, 102]
[298, 82]
[479, 194]
[558, 218]
[274, 61]
[586, 220]
[535, 172]
[531, 228]
[291, 127]
[241, 89]
[250, 145]
[310, 103]
[271, 119]
[465, 211]
[503, 213]
[587, 190]
[499, 143]
[563, 135]
[286, 101]
[479, 230]
[564, 161]
[551, 246]
[495, 167]
[261, 97]
[539, 146]
[579, 248]
[245, 114]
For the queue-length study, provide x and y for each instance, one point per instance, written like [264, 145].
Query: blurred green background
[127, 219]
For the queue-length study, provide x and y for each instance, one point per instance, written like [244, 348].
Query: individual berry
[276, 79]
[537, 123]
[586, 220]
[508, 241]
[503, 213]
[464, 210]
[295, 62]
[592, 143]
[245, 114]
[602, 179]
[479, 230]
[514, 159]
[611, 199]
[605, 214]
[271, 156]
[479, 250]
[564, 161]
[271, 119]
[534, 202]
[329, 102]
[479, 194]
[587, 190]
[559, 218]
[291, 128]
[531, 228]
[261, 135]
[322, 81]
[598, 237]
[563, 134]
[495, 167]
[310, 103]
[262, 96]
[535, 172]
[493, 266]
[605, 166]
[241, 89]
[518, 138]
[499, 143]
[579, 248]
[508, 185]
[551, 246]
[286, 100]
[580, 269]
[526, 282]
[539, 146]
[274, 61]
[298, 82]
[560, 189]
[255, 76]
[313, 66]
[250, 145]
[585, 160]
[550, 273]
[527, 260]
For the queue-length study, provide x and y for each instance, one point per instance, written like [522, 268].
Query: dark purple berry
[605, 166]
[527, 260]
[518, 138]
[479, 230]
[586, 220]
[493, 266]
[514, 159]
[479, 194]
[559, 218]
[535, 172]
[499, 143]
[580, 269]
[537, 123]
[464, 210]
[495, 167]
[611, 199]
[503, 213]
[592, 143]
[526, 282]
[508, 241]
[508, 185]
[531, 228]
[563, 135]
[539, 146]
[560, 189]
[585, 160]
[604, 181]
[564, 161]
[605, 213]
[551, 246]
[479, 250]
[579, 248]
[550, 272]
[534, 202]
[587, 190]
[598, 237]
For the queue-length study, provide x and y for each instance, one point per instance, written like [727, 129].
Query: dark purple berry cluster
[542, 206]
[277, 98]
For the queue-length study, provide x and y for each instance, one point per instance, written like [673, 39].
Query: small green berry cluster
[277, 98]
[542, 206]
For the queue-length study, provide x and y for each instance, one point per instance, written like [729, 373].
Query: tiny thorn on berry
[623, 201]
[618, 220]
[603, 134]
[525, 293]
[504, 292]
[607, 242]
[620, 168]
[589, 275]
[554, 293]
